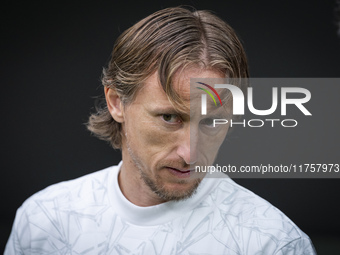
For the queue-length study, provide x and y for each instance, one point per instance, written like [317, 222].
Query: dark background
[51, 62]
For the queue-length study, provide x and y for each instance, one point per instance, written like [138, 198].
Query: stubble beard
[156, 185]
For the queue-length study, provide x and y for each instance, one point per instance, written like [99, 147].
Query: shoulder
[48, 213]
[84, 195]
[72, 190]
[254, 222]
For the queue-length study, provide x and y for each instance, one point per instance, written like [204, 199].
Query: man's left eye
[207, 122]
[171, 118]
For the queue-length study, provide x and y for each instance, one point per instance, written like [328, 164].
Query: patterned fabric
[90, 215]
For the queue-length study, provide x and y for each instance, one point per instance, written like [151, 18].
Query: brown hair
[165, 41]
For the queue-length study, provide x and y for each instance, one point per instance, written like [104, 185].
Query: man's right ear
[114, 104]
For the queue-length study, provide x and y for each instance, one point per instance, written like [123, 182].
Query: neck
[132, 185]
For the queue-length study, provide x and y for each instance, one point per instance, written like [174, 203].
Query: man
[154, 202]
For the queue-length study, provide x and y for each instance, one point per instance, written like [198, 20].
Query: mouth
[180, 173]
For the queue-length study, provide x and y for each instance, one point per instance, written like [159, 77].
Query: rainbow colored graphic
[209, 93]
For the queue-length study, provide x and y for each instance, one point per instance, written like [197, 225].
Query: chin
[177, 191]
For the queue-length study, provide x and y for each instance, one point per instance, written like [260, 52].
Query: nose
[188, 143]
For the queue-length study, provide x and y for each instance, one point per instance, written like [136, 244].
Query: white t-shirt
[90, 215]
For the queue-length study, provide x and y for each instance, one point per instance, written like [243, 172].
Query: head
[151, 66]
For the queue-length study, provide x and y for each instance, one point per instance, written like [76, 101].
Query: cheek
[208, 146]
[209, 150]
[153, 137]
[150, 137]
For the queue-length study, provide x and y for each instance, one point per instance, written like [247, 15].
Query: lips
[182, 170]
[181, 173]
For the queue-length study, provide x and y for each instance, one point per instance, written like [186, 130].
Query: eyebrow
[162, 109]
[168, 110]
[156, 109]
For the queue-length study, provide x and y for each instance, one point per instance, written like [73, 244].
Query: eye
[171, 118]
[208, 127]
[207, 122]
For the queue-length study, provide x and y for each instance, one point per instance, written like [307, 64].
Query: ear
[114, 104]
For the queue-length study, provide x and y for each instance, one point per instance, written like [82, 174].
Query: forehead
[153, 95]
[182, 80]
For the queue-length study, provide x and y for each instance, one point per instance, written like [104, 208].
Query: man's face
[164, 146]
